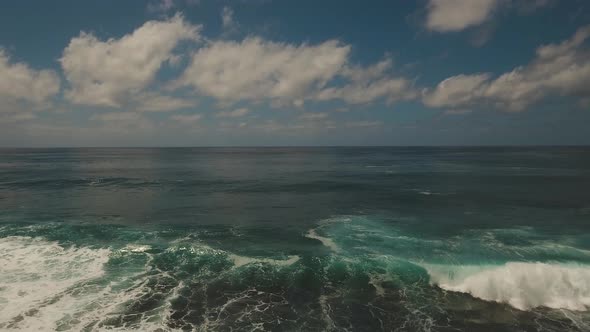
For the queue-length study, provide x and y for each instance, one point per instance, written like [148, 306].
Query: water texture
[295, 239]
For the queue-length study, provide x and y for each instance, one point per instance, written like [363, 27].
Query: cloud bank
[561, 69]
[117, 72]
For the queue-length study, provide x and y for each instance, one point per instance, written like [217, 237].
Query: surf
[523, 285]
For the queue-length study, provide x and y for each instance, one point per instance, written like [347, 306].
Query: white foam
[376, 280]
[522, 285]
[134, 248]
[36, 273]
[202, 249]
[242, 260]
[312, 234]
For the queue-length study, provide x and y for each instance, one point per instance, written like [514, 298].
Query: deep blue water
[295, 239]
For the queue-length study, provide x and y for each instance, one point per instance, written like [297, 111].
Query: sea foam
[36, 273]
[523, 285]
[312, 234]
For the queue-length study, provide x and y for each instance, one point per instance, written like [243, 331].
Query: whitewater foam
[312, 234]
[36, 273]
[523, 285]
[243, 260]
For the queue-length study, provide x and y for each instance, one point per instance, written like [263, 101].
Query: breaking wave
[522, 285]
[346, 271]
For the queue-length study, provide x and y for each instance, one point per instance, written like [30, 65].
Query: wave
[37, 274]
[45, 285]
[327, 242]
[361, 272]
[523, 285]
[243, 260]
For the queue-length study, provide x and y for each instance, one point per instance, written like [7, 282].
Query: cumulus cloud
[457, 15]
[365, 84]
[256, 69]
[391, 89]
[112, 72]
[21, 83]
[561, 69]
[233, 114]
[456, 90]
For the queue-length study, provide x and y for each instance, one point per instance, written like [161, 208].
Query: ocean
[295, 239]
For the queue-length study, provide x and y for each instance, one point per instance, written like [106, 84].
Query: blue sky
[269, 72]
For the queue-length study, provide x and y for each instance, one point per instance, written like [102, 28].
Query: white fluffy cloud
[20, 83]
[455, 15]
[391, 89]
[561, 69]
[256, 69]
[457, 90]
[113, 72]
[366, 84]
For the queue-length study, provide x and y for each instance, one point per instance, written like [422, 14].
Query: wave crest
[523, 285]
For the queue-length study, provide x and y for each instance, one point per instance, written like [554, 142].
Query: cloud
[392, 89]
[20, 83]
[229, 26]
[456, 15]
[457, 90]
[288, 74]
[17, 117]
[153, 102]
[186, 118]
[233, 114]
[459, 111]
[366, 84]
[256, 69]
[122, 122]
[227, 18]
[561, 69]
[313, 116]
[116, 116]
[113, 72]
[363, 124]
[161, 5]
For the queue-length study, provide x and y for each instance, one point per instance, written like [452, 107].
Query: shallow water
[295, 239]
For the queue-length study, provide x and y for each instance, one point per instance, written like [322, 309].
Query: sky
[294, 73]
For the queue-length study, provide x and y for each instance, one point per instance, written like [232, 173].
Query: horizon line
[297, 146]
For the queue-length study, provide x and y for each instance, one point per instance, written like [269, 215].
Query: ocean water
[295, 239]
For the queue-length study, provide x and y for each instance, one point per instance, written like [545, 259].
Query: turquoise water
[295, 239]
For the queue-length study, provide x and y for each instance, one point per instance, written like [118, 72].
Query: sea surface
[295, 239]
